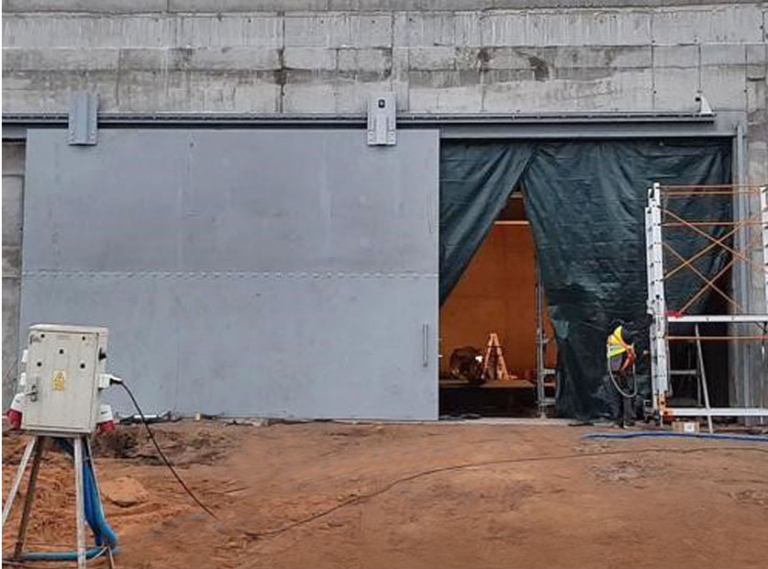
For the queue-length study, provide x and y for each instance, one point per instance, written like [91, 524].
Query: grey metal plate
[272, 273]
[188, 200]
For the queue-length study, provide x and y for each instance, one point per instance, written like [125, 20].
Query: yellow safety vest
[617, 347]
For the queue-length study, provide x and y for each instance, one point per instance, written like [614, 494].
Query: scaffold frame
[657, 217]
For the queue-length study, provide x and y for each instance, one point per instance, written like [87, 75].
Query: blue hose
[667, 434]
[88, 504]
[97, 521]
[61, 555]
[94, 514]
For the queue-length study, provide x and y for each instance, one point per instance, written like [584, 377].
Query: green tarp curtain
[585, 201]
[475, 181]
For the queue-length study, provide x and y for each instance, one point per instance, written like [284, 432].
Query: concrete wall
[13, 200]
[207, 55]
[438, 56]
[496, 294]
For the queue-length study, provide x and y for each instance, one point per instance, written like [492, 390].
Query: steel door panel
[287, 273]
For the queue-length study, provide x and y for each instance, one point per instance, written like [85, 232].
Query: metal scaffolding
[732, 237]
[545, 376]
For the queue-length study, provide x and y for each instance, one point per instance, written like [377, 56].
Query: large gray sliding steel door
[267, 273]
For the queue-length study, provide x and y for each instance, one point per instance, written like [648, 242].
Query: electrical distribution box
[64, 367]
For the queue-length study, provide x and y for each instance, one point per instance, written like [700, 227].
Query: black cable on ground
[361, 498]
[390, 485]
[165, 459]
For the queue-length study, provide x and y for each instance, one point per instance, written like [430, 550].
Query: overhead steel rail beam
[403, 119]
[517, 126]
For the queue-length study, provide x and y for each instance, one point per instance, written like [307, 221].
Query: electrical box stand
[63, 372]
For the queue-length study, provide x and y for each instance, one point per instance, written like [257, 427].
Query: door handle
[425, 345]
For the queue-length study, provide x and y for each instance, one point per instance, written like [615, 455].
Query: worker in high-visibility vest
[621, 369]
[621, 355]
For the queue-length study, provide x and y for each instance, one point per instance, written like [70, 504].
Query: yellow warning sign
[59, 380]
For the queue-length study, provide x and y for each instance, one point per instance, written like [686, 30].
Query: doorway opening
[498, 302]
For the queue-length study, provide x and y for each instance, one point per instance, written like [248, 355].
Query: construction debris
[466, 365]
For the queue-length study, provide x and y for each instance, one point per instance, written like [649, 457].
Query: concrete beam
[338, 30]
[212, 59]
[42, 31]
[86, 6]
[721, 23]
[48, 91]
[60, 59]
[196, 62]
[679, 56]
[225, 6]
[310, 58]
[372, 60]
[757, 61]
[224, 59]
[191, 91]
[725, 86]
[675, 88]
[438, 29]
[628, 89]
[130, 31]
[574, 28]
[254, 6]
[432, 58]
[352, 96]
[724, 54]
[456, 99]
[318, 97]
[228, 30]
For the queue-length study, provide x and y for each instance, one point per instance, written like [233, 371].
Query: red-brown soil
[639, 509]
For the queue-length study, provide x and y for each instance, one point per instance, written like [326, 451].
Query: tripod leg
[19, 477]
[79, 502]
[30, 497]
[111, 558]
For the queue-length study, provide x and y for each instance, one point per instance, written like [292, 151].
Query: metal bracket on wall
[382, 120]
[83, 119]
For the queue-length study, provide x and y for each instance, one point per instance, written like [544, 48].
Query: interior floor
[496, 295]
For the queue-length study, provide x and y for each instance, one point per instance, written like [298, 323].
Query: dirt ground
[401, 504]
